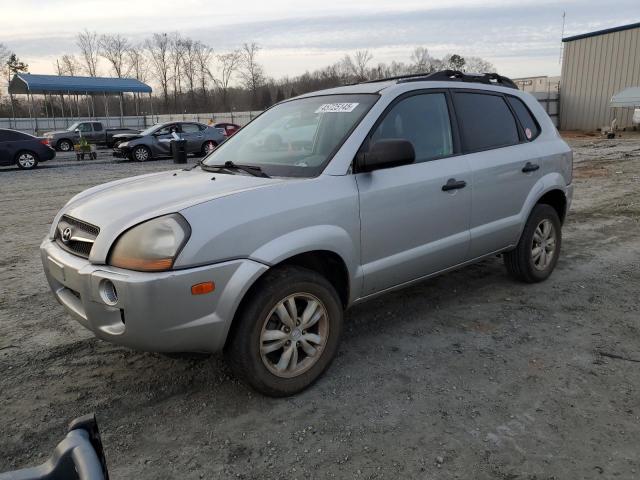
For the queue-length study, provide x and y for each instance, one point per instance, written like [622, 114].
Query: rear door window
[485, 121]
[97, 127]
[423, 120]
[530, 127]
[190, 128]
[11, 136]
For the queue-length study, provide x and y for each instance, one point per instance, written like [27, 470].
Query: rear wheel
[27, 160]
[65, 145]
[538, 250]
[208, 147]
[140, 154]
[287, 333]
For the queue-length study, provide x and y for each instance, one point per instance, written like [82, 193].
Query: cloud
[508, 33]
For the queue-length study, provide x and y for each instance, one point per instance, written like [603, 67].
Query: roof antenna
[564, 15]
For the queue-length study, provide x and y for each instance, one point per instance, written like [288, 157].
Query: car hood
[116, 206]
[127, 136]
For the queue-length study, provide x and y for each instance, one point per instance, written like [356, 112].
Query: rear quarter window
[530, 126]
[485, 121]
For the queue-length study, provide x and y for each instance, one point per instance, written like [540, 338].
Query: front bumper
[154, 311]
[121, 152]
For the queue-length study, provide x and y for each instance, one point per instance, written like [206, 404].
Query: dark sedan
[155, 141]
[22, 149]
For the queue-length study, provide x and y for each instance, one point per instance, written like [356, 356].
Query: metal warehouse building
[595, 66]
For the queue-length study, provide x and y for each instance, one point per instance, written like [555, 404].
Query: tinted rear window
[97, 127]
[485, 121]
[11, 136]
[530, 127]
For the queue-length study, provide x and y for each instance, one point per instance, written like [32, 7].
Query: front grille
[76, 236]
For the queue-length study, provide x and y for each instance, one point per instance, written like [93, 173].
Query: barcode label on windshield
[337, 108]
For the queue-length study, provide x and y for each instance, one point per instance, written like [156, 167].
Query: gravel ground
[469, 375]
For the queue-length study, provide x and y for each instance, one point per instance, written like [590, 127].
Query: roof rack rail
[453, 75]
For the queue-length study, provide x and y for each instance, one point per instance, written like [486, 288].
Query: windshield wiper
[197, 164]
[229, 165]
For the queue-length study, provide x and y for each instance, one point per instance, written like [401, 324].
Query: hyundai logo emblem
[66, 235]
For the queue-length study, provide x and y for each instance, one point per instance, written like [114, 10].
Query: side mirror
[77, 130]
[387, 153]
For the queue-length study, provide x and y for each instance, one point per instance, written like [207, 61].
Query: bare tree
[137, 62]
[361, 60]
[252, 73]
[176, 54]
[190, 66]
[88, 43]
[420, 60]
[68, 65]
[114, 49]
[478, 65]
[4, 58]
[204, 57]
[159, 53]
[228, 66]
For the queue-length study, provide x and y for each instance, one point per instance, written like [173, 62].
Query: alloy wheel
[26, 160]
[543, 245]
[141, 154]
[294, 335]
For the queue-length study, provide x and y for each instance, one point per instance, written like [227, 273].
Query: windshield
[73, 127]
[296, 138]
[150, 130]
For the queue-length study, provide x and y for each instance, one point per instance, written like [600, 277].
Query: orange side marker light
[202, 288]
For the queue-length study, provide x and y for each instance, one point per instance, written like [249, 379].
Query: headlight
[123, 144]
[151, 246]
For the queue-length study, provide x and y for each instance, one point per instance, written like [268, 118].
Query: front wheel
[538, 250]
[27, 160]
[287, 333]
[140, 154]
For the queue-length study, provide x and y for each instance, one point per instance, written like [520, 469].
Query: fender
[318, 237]
[550, 181]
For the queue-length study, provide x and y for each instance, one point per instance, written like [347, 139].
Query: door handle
[530, 167]
[453, 184]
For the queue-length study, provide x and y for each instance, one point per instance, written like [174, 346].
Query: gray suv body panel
[390, 227]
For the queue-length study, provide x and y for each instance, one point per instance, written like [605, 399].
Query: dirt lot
[466, 376]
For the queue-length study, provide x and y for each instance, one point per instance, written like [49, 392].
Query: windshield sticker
[337, 108]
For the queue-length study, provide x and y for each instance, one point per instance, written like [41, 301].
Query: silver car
[258, 250]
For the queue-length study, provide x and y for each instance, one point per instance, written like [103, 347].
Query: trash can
[179, 149]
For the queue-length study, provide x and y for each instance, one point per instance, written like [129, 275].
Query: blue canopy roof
[38, 84]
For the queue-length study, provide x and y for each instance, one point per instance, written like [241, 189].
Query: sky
[520, 37]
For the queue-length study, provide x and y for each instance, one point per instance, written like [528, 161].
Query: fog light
[108, 292]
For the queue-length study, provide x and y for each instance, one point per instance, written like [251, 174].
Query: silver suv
[321, 202]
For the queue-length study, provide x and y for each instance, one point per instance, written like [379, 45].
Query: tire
[311, 350]
[538, 250]
[27, 160]
[140, 154]
[206, 147]
[65, 145]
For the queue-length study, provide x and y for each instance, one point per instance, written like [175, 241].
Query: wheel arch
[557, 199]
[327, 263]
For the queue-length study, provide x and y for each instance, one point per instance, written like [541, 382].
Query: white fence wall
[41, 125]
